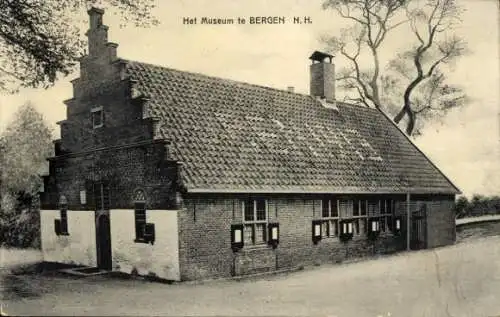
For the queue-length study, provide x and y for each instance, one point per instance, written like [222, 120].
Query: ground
[460, 280]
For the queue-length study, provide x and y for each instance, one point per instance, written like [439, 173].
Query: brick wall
[126, 169]
[205, 238]
[441, 221]
[123, 118]
[124, 151]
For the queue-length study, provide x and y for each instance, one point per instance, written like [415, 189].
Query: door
[419, 229]
[103, 225]
[103, 239]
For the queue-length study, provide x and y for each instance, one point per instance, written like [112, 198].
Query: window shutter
[57, 226]
[237, 237]
[345, 235]
[149, 232]
[316, 231]
[273, 234]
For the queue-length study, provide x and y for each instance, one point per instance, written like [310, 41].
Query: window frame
[101, 193]
[387, 216]
[63, 216]
[93, 112]
[330, 221]
[359, 219]
[140, 224]
[254, 223]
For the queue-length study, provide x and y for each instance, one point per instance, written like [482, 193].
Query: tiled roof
[238, 137]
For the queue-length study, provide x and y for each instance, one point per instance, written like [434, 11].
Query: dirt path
[462, 280]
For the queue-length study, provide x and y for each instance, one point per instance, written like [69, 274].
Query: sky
[465, 145]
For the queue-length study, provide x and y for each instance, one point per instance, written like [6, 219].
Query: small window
[97, 117]
[255, 221]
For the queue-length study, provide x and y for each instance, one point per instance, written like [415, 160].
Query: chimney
[290, 89]
[98, 36]
[322, 71]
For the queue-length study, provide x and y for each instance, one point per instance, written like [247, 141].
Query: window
[139, 215]
[64, 220]
[101, 194]
[255, 221]
[63, 215]
[362, 205]
[387, 215]
[97, 117]
[355, 210]
[330, 218]
[140, 220]
[373, 208]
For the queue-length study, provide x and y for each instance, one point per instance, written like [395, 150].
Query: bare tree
[413, 83]
[39, 39]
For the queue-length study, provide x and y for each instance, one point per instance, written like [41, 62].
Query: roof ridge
[234, 81]
[239, 82]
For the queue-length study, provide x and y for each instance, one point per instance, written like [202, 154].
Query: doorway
[103, 241]
[419, 228]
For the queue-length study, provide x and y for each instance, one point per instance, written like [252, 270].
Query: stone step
[84, 271]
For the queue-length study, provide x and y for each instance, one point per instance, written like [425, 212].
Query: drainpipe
[408, 221]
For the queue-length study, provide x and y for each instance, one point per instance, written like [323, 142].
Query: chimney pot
[322, 75]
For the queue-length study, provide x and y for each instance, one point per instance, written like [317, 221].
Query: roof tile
[235, 136]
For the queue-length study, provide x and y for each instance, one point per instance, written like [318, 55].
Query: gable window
[330, 218]
[97, 117]
[139, 215]
[255, 221]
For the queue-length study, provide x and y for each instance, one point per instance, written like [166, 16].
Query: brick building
[185, 176]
